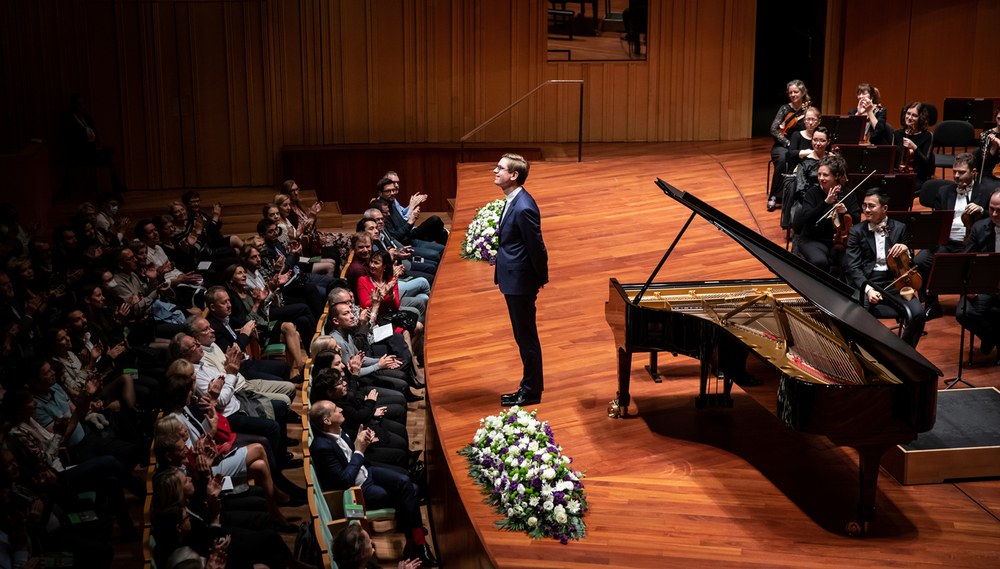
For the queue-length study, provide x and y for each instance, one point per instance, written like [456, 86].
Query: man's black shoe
[986, 346]
[290, 442]
[293, 417]
[297, 380]
[411, 396]
[523, 398]
[933, 311]
[515, 395]
[421, 552]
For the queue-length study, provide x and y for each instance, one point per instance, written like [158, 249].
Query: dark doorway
[790, 41]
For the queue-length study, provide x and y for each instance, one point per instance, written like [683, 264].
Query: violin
[908, 280]
[792, 118]
[968, 220]
[842, 224]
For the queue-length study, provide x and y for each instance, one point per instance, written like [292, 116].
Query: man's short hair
[370, 212]
[120, 254]
[263, 225]
[362, 222]
[883, 197]
[517, 163]
[140, 228]
[334, 293]
[385, 181]
[319, 412]
[380, 204]
[57, 233]
[190, 195]
[358, 237]
[349, 547]
[189, 324]
[176, 347]
[212, 294]
[966, 158]
[137, 246]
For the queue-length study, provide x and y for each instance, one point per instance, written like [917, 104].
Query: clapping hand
[294, 247]
[117, 351]
[380, 411]
[373, 395]
[388, 362]
[279, 263]
[355, 363]
[258, 294]
[215, 387]
[150, 272]
[234, 357]
[315, 208]
[249, 327]
[96, 351]
[73, 276]
[410, 564]
[216, 210]
[122, 311]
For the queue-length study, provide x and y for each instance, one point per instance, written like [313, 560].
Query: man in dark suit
[963, 196]
[522, 268]
[339, 460]
[402, 222]
[981, 315]
[868, 246]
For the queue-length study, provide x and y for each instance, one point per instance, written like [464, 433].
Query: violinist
[989, 146]
[800, 148]
[787, 121]
[914, 144]
[981, 313]
[826, 205]
[877, 131]
[969, 201]
[869, 247]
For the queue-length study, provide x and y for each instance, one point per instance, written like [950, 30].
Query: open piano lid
[830, 295]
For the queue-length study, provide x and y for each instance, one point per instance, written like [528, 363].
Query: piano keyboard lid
[833, 297]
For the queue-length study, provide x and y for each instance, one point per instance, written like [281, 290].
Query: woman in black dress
[915, 144]
[817, 244]
[787, 121]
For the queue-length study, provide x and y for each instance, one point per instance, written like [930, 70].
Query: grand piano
[840, 372]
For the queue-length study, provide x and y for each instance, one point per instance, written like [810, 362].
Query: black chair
[929, 192]
[952, 134]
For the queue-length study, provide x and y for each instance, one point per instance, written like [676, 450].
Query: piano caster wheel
[856, 528]
[615, 411]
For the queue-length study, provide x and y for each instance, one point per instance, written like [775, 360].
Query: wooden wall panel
[920, 50]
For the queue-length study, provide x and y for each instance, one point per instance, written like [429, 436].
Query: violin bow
[829, 214]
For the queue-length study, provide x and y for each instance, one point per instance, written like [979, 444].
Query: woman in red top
[379, 291]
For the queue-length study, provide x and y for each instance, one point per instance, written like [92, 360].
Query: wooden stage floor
[671, 485]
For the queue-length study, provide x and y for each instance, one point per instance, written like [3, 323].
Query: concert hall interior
[192, 184]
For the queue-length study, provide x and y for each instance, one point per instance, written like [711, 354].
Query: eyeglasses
[501, 168]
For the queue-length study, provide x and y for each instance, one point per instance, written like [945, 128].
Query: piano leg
[869, 458]
[651, 368]
[619, 407]
[701, 401]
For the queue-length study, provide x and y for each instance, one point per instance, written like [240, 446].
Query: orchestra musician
[989, 147]
[814, 225]
[868, 248]
[800, 147]
[914, 144]
[877, 131]
[981, 313]
[787, 121]
[969, 200]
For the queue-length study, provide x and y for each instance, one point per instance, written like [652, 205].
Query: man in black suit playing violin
[869, 247]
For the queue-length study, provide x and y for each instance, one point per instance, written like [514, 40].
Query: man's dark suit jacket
[948, 193]
[272, 251]
[223, 338]
[335, 472]
[861, 250]
[982, 237]
[522, 261]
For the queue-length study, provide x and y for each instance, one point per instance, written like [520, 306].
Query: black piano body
[840, 372]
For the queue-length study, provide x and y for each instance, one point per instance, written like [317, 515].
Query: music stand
[865, 158]
[964, 274]
[844, 129]
[927, 229]
[977, 111]
[900, 187]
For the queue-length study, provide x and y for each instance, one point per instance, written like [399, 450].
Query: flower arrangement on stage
[525, 477]
[481, 237]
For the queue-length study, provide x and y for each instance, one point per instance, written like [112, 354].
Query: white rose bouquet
[525, 477]
[480, 242]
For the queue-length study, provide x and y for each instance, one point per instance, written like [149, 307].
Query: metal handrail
[579, 144]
